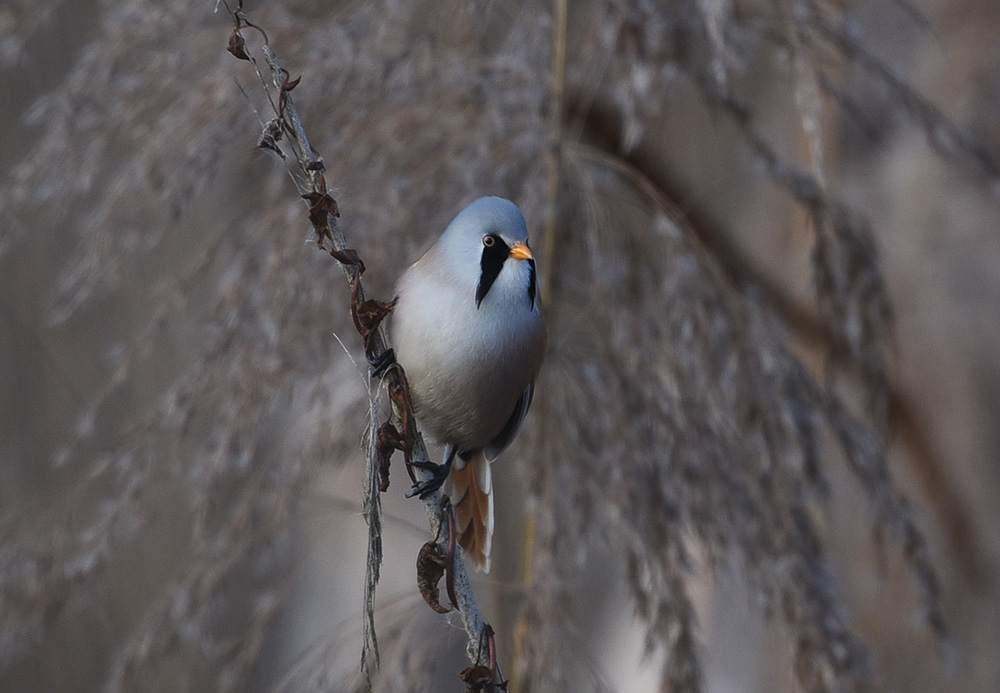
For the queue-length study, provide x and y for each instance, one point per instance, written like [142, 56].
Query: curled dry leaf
[478, 679]
[321, 207]
[388, 441]
[401, 399]
[449, 514]
[270, 136]
[368, 315]
[287, 84]
[430, 569]
[238, 45]
[348, 256]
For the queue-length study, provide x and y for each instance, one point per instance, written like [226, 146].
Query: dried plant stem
[372, 508]
[554, 164]
[554, 153]
[310, 166]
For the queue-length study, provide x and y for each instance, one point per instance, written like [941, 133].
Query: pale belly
[464, 391]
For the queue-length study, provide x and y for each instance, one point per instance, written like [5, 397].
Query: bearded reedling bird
[469, 336]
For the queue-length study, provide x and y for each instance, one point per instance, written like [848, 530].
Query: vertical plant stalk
[372, 509]
[549, 238]
[554, 152]
[287, 127]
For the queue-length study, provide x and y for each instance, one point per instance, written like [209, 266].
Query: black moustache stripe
[531, 283]
[490, 265]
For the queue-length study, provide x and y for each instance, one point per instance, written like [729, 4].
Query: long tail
[472, 486]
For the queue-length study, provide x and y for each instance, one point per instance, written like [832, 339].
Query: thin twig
[310, 166]
[554, 164]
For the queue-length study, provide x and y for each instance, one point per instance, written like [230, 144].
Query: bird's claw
[439, 472]
[381, 363]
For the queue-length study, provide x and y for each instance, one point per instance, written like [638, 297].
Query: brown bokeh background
[180, 427]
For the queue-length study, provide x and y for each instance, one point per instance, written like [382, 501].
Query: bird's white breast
[466, 366]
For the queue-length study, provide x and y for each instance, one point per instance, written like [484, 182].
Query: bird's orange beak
[520, 252]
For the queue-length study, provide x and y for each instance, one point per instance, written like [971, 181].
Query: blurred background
[769, 236]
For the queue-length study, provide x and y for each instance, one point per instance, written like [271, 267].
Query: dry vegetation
[726, 387]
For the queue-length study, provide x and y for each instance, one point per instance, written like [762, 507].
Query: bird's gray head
[487, 244]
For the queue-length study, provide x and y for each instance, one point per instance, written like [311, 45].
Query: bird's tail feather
[472, 486]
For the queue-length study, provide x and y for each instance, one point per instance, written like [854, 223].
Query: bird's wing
[502, 439]
[472, 485]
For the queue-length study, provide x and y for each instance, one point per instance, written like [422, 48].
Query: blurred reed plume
[737, 205]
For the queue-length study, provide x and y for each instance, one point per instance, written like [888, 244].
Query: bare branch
[324, 215]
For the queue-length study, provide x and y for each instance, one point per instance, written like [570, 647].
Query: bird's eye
[488, 241]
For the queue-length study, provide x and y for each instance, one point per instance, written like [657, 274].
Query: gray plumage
[471, 343]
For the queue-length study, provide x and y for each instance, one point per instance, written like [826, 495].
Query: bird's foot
[439, 472]
[381, 363]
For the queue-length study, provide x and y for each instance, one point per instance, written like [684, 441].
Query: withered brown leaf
[349, 256]
[368, 315]
[400, 397]
[270, 136]
[238, 45]
[321, 203]
[321, 206]
[431, 562]
[387, 442]
[477, 678]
